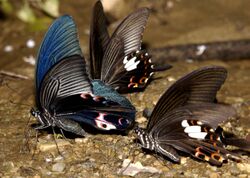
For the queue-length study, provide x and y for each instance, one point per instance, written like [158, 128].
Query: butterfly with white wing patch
[118, 60]
[186, 119]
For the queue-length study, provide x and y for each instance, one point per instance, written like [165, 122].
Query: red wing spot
[120, 121]
[142, 80]
[217, 157]
[85, 95]
[215, 145]
[131, 79]
[131, 85]
[97, 98]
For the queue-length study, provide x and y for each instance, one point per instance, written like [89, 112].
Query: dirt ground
[171, 22]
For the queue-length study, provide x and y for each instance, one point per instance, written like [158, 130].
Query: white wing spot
[199, 123]
[192, 129]
[198, 135]
[184, 123]
[131, 64]
[125, 60]
[100, 122]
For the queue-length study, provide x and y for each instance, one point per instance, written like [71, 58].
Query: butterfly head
[34, 112]
[44, 119]
[105, 121]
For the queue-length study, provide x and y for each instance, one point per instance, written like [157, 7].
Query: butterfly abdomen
[145, 139]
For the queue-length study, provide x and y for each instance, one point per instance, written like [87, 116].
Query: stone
[58, 167]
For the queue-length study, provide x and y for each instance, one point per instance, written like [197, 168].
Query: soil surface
[102, 155]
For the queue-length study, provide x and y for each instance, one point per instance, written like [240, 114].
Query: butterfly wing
[67, 92]
[192, 129]
[59, 42]
[97, 111]
[67, 78]
[197, 87]
[99, 39]
[125, 67]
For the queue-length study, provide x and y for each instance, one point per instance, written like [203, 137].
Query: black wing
[199, 86]
[125, 66]
[65, 79]
[192, 129]
[99, 39]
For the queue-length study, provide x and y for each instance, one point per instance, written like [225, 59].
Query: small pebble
[200, 50]
[58, 158]
[81, 140]
[244, 167]
[30, 43]
[189, 61]
[214, 175]
[120, 156]
[48, 160]
[52, 145]
[242, 176]
[30, 59]
[171, 79]
[148, 156]
[58, 167]
[170, 4]
[141, 120]
[8, 48]
[183, 160]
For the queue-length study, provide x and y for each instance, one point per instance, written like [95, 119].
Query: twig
[227, 50]
[13, 75]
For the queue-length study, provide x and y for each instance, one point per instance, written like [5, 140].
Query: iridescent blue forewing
[60, 41]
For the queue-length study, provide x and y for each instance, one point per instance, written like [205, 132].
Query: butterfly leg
[70, 126]
[44, 123]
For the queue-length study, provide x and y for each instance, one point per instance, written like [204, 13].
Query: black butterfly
[186, 119]
[65, 96]
[118, 60]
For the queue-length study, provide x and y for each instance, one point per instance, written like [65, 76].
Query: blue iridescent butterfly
[65, 96]
[118, 60]
[186, 119]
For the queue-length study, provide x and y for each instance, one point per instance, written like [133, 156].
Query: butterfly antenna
[15, 91]
[22, 104]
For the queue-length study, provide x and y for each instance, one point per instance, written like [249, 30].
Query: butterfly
[186, 118]
[118, 60]
[65, 95]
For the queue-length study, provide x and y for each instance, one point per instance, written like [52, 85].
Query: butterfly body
[186, 119]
